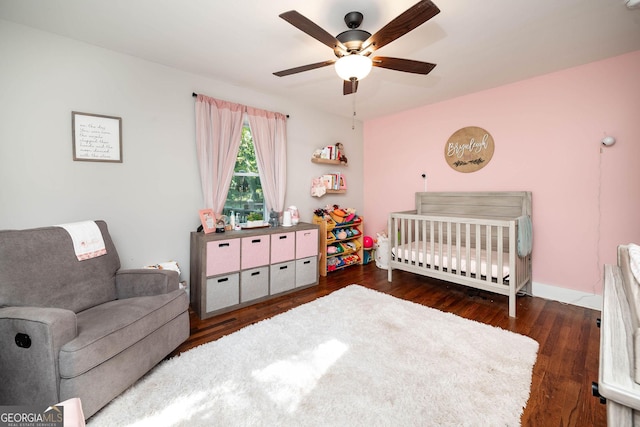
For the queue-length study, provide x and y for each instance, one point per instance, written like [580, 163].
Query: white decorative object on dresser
[238, 268]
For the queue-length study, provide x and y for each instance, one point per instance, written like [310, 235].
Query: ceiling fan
[354, 46]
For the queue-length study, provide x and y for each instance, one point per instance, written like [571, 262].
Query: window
[245, 192]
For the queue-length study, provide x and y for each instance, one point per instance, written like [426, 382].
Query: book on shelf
[334, 181]
[330, 152]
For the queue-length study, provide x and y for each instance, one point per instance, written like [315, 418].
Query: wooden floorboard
[568, 336]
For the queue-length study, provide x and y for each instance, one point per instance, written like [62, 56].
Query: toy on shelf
[368, 243]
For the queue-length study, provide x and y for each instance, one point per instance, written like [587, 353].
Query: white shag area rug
[356, 357]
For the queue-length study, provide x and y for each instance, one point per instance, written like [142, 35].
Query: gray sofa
[84, 329]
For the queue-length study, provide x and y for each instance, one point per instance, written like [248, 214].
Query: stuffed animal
[382, 251]
[351, 246]
[340, 153]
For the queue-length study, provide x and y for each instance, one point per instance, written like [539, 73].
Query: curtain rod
[195, 94]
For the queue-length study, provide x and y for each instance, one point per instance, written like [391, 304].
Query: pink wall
[547, 133]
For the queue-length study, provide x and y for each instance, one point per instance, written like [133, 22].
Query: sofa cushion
[34, 262]
[110, 328]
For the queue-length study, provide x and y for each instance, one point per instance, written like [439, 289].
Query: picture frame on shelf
[208, 220]
[343, 182]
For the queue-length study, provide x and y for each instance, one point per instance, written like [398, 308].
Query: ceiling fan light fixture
[353, 66]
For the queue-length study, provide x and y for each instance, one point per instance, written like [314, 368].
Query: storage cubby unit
[238, 268]
[341, 244]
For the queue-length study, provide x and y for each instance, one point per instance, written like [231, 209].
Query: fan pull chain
[353, 118]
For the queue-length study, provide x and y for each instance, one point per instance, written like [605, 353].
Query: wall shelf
[328, 161]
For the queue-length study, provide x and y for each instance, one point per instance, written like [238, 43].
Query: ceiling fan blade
[349, 87]
[304, 68]
[305, 25]
[410, 19]
[406, 65]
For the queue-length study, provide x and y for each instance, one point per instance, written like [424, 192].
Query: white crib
[477, 239]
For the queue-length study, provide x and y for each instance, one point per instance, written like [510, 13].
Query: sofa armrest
[31, 338]
[145, 282]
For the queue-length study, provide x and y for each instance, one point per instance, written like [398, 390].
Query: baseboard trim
[567, 296]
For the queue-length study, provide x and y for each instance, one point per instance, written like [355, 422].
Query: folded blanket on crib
[525, 235]
[87, 239]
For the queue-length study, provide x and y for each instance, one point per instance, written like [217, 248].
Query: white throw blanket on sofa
[87, 239]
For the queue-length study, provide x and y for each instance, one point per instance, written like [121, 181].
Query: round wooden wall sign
[469, 149]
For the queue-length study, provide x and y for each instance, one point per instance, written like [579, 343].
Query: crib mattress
[414, 252]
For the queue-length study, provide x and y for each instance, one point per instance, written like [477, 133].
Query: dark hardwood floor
[569, 339]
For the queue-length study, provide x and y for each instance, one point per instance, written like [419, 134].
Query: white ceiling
[476, 44]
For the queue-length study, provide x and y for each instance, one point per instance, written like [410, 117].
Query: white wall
[151, 200]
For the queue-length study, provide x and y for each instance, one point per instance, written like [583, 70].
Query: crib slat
[416, 233]
[424, 243]
[403, 239]
[439, 264]
[489, 252]
[408, 241]
[517, 272]
[499, 275]
[467, 244]
[393, 236]
[513, 281]
[458, 259]
[478, 249]
[432, 243]
[449, 254]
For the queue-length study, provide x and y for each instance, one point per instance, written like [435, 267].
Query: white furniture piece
[478, 239]
[619, 369]
[237, 268]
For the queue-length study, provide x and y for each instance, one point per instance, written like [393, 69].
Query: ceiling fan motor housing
[353, 38]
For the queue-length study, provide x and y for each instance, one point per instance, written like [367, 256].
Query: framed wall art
[96, 138]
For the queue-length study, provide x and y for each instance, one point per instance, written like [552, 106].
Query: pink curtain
[269, 132]
[218, 133]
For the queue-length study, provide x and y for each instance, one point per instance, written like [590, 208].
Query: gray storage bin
[306, 271]
[254, 283]
[223, 291]
[282, 277]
